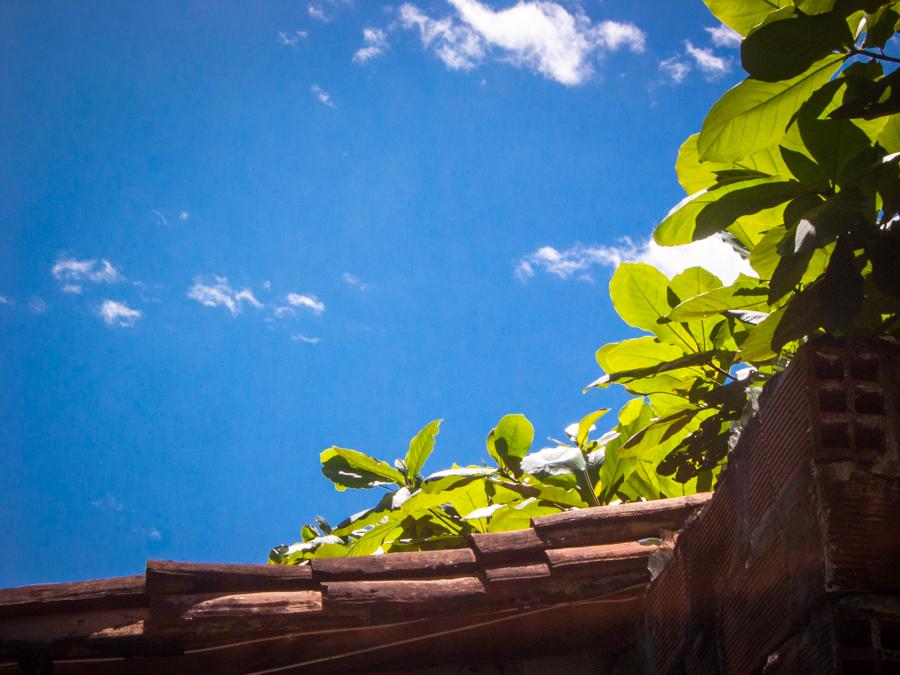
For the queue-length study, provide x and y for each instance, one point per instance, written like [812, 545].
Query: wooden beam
[415, 565]
[518, 546]
[165, 577]
[616, 524]
[432, 597]
[116, 592]
[195, 608]
[516, 573]
[602, 560]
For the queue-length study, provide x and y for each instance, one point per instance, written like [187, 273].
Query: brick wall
[794, 565]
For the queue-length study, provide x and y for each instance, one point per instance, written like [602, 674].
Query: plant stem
[873, 55]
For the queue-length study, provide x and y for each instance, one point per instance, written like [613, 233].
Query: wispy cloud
[723, 36]
[37, 305]
[291, 38]
[219, 293]
[323, 96]
[355, 281]
[71, 273]
[323, 10]
[108, 503]
[374, 45]
[300, 337]
[675, 69]
[184, 216]
[317, 12]
[579, 261]
[116, 313]
[712, 66]
[536, 34]
[309, 302]
[4, 300]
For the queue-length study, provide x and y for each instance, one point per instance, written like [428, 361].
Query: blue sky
[233, 234]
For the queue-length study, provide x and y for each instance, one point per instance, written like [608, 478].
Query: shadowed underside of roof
[572, 580]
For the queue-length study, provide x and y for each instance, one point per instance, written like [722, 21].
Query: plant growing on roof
[798, 168]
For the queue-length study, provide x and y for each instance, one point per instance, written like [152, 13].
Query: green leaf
[584, 426]
[722, 212]
[637, 355]
[802, 317]
[754, 114]
[758, 345]
[784, 49]
[881, 26]
[510, 441]
[681, 226]
[554, 461]
[420, 448]
[694, 175]
[640, 294]
[842, 285]
[353, 469]
[518, 516]
[744, 15]
[746, 293]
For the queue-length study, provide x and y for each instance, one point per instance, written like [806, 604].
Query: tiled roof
[574, 578]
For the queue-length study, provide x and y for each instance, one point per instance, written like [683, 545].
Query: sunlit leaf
[354, 469]
[754, 115]
[420, 448]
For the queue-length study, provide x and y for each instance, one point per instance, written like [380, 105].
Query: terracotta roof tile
[218, 615]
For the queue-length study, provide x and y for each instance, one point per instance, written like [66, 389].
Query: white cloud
[284, 312]
[220, 294]
[116, 313]
[711, 65]
[160, 217]
[310, 302]
[459, 47]
[355, 281]
[4, 300]
[675, 69]
[300, 337]
[537, 34]
[579, 260]
[154, 535]
[323, 96]
[321, 10]
[290, 39]
[723, 36]
[184, 215]
[317, 12]
[247, 296]
[72, 289]
[374, 45]
[109, 502]
[73, 272]
[36, 305]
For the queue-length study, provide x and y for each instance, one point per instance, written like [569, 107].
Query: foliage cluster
[797, 168]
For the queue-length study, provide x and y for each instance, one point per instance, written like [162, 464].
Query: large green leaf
[637, 354]
[784, 49]
[744, 15]
[681, 225]
[518, 516]
[420, 448]
[640, 294]
[586, 424]
[754, 114]
[510, 441]
[353, 469]
[561, 459]
[746, 293]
